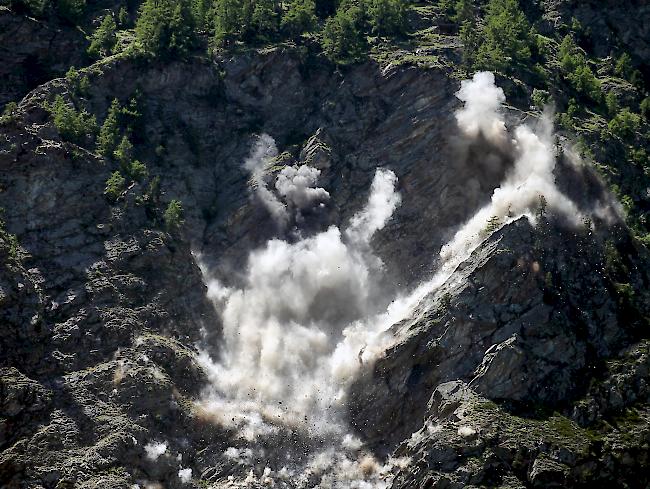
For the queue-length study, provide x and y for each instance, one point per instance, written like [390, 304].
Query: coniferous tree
[103, 39]
[201, 13]
[109, 132]
[71, 10]
[343, 38]
[229, 17]
[325, 8]
[506, 37]
[264, 19]
[124, 152]
[165, 27]
[386, 17]
[300, 17]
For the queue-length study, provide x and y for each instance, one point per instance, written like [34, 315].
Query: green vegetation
[506, 37]
[625, 124]
[299, 18]
[8, 113]
[71, 10]
[343, 38]
[10, 240]
[109, 133]
[74, 126]
[165, 28]
[577, 71]
[78, 82]
[387, 17]
[173, 215]
[103, 39]
[115, 186]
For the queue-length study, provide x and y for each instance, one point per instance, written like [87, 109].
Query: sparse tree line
[71, 10]
[173, 28]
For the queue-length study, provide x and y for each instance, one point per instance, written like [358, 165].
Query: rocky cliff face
[528, 367]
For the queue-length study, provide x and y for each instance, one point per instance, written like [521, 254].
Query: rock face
[517, 321]
[528, 368]
[34, 51]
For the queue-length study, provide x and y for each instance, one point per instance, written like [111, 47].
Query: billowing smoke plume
[308, 317]
[293, 333]
[297, 185]
[528, 186]
[481, 113]
[262, 154]
[381, 205]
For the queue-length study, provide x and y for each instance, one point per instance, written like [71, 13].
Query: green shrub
[173, 215]
[577, 71]
[229, 19]
[11, 240]
[540, 98]
[78, 82]
[300, 17]
[464, 10]
[138, 171]
[470, 38]
[625, 124]
[109, 133]
[386, 17]
[343, 37]
[165, 28]
[264, 19]
[73, 126]
[506, 37]
[115, 186]
[611, 101]
[248, 21]
[124, 152]
[71, 10]
[584, 82]
[201, 13]
[33, 7]
[623, 66]
[123, 17]
[8, 113]
[103, 39]
[645, 108]
[566, 54]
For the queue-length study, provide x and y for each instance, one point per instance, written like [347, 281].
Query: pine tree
[103, 39]
[506, 37]
[109, 133]
[264, 19]
[343, 37]
[71, 10]
[115, 185]
[173, 215]
[124, 153]
[165, 27]
[228, 20]
[387, 17]
[300, 17]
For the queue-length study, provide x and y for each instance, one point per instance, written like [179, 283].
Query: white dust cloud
[297, 185]
[530, 180]
[262, 154]
[293, 333]
[155, 450]
[308, 316]
[481, 113]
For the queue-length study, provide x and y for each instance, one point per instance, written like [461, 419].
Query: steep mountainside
[262, 265]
